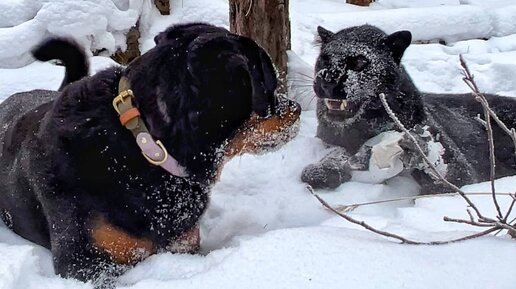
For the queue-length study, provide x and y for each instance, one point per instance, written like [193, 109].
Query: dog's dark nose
[285, 105]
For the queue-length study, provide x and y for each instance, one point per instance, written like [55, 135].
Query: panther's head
[355, 65]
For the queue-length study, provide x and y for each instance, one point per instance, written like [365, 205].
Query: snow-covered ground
[263, 229]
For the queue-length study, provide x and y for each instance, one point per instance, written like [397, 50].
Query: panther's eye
[324, 59]
[357, 63]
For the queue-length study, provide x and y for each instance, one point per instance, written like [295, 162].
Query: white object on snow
[384, 162]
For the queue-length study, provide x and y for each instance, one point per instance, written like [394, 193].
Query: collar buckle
[120, 98]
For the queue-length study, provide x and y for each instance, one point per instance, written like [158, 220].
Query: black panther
[354, 67]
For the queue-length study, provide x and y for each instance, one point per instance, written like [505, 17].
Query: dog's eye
[357, 63]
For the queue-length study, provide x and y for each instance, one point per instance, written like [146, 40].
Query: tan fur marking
[247, 139]
[122, 247]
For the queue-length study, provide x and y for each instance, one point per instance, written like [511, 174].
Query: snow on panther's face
[355, 65]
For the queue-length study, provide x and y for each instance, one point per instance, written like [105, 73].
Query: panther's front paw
[324, 175]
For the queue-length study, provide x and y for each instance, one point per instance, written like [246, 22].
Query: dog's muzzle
[263, 134]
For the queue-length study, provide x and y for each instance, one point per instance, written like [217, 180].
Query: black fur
[357, 64]
[69, 53]
[66, 159]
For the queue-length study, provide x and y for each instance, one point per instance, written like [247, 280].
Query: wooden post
[266, 22]
[163, 6]
[360, 2]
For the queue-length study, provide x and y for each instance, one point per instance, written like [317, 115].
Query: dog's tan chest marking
[119, 245]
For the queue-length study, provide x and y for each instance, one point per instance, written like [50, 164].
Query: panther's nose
[333, 89]
[327, 88]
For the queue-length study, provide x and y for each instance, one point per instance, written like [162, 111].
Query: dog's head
[202, 88]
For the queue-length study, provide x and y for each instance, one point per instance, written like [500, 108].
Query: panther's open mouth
[342, 107]
[336, 104]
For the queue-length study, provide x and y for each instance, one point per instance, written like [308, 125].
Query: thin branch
[351, 207]
[481, 121]
[425, 158]
[469, 222]
[470, 215]
[511, 206]
[498, 232]
[506, 226]
[468, 79]
[403, 240]
[510, 132]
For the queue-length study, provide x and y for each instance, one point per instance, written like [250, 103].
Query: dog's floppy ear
[242, 54]
[158, 37]
[263, 76]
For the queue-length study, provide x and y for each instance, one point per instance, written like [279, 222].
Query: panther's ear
[397, 43]
[324, 34]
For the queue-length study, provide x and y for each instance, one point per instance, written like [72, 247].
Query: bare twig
[480, 120]
[351, 207]
[509, 210]
[506, 227]
[403, 240]
[470, 215]
[469, 222]
[510, 132]
[469, 80]
[425, 158]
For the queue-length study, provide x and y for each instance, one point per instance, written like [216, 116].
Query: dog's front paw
[324, 175]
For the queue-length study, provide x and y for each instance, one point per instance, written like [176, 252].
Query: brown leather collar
[130, 117]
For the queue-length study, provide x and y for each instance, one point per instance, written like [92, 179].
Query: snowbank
[96, 24]
[504, 20]
[413, 3]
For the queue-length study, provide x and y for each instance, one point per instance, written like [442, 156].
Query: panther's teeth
[336, 104]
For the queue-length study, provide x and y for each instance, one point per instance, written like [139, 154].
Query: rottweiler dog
[118, 165]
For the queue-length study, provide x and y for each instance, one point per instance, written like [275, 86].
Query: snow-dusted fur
[69, 168]
[356, 65]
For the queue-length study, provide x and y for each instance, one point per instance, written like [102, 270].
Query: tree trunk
[133, 37]
[163, 6]
[266, 22]
[133, 47]
[360, 2]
